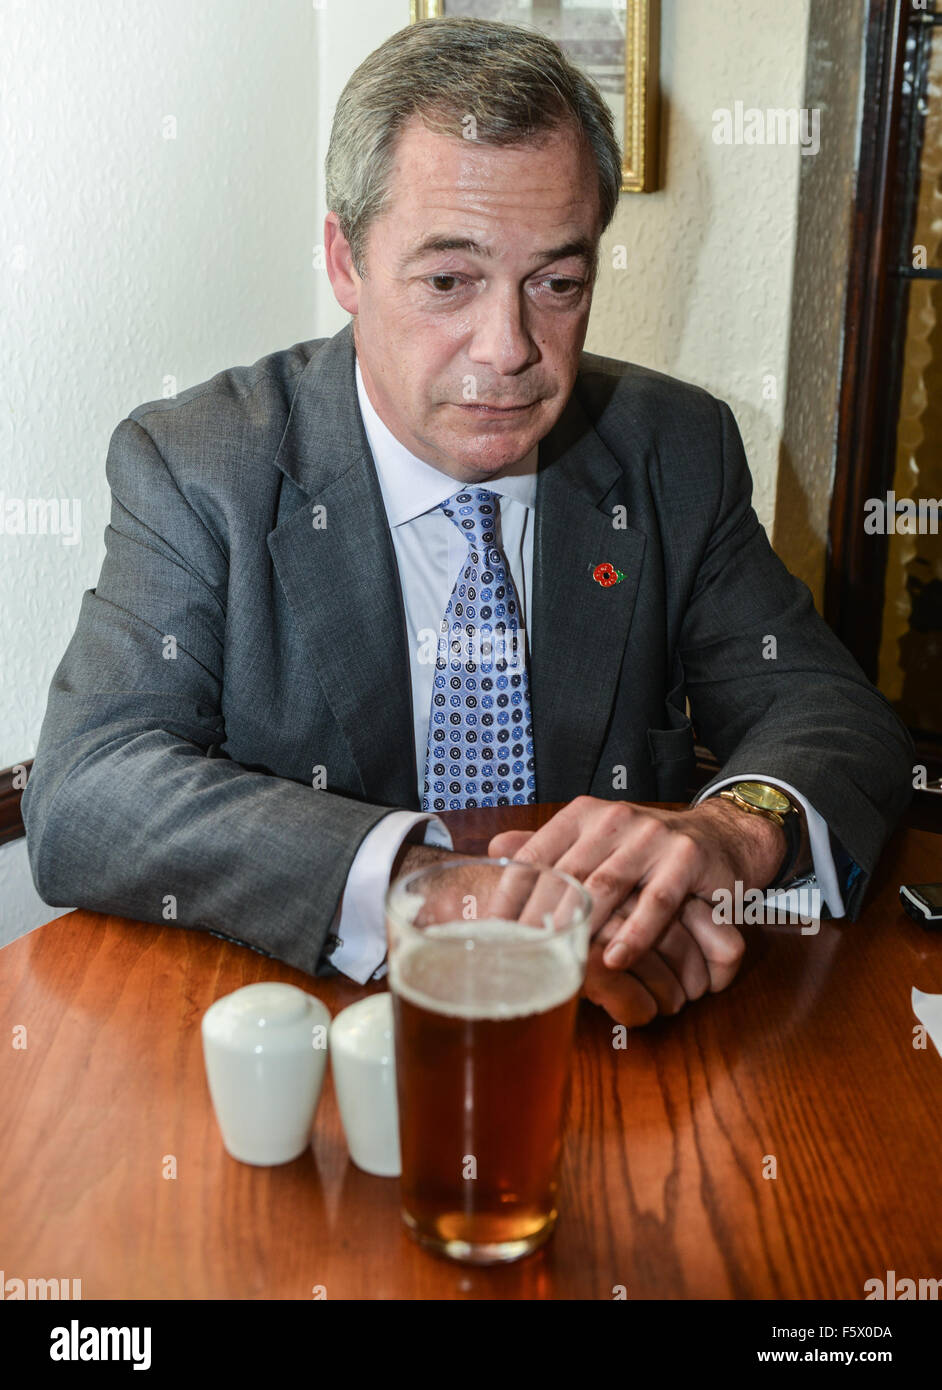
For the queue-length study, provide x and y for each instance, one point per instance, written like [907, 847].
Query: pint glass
[486, 962]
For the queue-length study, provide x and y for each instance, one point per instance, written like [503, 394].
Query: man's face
[471, 318]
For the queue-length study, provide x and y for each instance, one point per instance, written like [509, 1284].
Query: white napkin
[928, 1009]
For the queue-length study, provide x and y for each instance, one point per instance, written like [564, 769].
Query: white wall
[707, 288]
[129, 258]
[833, 83]
[347, 32]
[21, 908]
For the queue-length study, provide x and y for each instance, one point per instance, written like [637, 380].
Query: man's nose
[501, 339]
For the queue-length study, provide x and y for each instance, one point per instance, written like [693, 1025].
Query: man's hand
[663, 980]
[667, 863]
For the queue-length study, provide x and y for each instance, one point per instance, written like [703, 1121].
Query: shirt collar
[410, 486]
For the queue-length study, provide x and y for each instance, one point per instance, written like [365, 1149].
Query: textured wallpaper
[826, 200]
[705, 295]
[157, 165]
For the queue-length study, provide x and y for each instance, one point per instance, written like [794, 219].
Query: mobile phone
[923, 901]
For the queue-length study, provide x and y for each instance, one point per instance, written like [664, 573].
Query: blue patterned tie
[479, 750]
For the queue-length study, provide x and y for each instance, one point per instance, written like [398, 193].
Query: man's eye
[563, 286]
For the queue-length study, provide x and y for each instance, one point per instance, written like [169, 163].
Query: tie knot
[474, 511]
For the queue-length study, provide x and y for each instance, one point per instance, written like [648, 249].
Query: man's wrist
[756, 845]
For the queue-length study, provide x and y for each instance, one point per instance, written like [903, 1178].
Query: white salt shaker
[265, 1048]
[363, 1059]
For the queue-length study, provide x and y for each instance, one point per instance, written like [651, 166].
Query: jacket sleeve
[124, 811]
[771, 686]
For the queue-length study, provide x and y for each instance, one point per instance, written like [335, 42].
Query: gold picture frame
[639, 166]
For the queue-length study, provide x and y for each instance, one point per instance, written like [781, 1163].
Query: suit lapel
[341, 579]
[580, 628]
[342, 583]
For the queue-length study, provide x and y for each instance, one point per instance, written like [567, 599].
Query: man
[269, 693]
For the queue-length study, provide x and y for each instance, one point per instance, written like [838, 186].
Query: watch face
[763, 796]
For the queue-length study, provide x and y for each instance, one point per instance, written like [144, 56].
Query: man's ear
[344, 280]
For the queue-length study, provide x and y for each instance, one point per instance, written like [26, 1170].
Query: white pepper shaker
[265, 1048]
[363, 1058]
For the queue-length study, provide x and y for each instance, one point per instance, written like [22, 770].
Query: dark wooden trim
[874, 324]
[11, 822]
[856, 562]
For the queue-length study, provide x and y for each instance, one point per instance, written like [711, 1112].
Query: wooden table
[808, 1058]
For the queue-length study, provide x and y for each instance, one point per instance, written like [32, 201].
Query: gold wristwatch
[771, 802]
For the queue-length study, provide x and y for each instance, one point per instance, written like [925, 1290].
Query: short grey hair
[515, 83]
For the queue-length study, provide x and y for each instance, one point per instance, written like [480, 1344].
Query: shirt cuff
[819, 837]
[359, 926]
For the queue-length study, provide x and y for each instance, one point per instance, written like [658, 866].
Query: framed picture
[616, 44]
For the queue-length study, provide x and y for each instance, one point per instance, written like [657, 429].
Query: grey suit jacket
[238, 639]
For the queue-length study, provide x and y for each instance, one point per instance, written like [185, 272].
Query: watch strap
[791, 824]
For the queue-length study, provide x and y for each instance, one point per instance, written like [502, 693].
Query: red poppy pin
[607, 575]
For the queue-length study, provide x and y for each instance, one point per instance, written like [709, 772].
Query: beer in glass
[486, 963]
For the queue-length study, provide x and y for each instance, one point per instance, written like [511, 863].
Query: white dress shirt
[430, 552]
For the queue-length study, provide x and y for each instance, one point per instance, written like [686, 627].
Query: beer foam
[486, 981]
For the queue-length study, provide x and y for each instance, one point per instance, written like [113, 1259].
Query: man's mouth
[497, 409]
